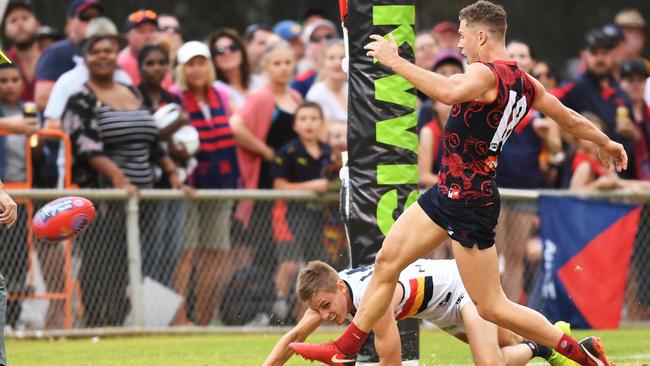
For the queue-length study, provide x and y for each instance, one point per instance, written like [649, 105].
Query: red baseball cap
[446, 26]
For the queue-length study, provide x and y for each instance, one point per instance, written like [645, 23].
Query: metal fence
[223, 258]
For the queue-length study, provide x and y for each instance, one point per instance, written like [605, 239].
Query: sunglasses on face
[171, 29]
[218, 51]
[140, 15]
[317, 38]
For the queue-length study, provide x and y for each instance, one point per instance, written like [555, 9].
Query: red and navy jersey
[475, 133]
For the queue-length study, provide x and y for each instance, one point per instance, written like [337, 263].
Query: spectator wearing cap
[141, 29]
[598, 92]
[170, 34]
[208, 242]
[63, 55]
[617, 36]
[73, 80]
[208, 107]
[47, 35]
[290, 31]
[634, 28]
[231, 64]
[20, 27]
[447, 34]
[314, 37]
[634, 74]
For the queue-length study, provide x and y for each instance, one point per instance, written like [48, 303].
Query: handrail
[274, 194]
[47, 132]
[158, 194]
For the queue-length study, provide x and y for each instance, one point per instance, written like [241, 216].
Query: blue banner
[587, 246]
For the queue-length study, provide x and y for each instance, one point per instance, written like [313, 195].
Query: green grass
[625, 347]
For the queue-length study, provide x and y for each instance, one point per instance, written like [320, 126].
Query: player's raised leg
[479, 271]
[411, 237]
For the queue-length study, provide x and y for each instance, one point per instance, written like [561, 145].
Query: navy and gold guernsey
[465, 202]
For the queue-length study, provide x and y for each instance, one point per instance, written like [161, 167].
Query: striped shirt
[129, 137]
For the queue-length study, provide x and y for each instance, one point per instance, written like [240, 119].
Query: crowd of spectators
[266, 108]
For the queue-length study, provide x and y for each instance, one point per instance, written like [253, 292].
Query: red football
[63, 218]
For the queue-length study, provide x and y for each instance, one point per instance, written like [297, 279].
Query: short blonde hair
[493, 16]
[181, 80]
[321, 56]
[276, 43]
[314, 277]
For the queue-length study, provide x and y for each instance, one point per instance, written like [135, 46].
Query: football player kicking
[428, 289]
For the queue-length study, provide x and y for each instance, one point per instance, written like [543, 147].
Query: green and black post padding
[382, 138]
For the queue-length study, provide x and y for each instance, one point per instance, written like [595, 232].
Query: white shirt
[332, 108]
[236, 97]
[433, 291]
[71, 82]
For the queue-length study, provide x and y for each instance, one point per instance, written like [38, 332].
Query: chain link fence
[225, 258]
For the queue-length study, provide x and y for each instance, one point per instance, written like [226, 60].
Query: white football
[166, 115]
[188, 137]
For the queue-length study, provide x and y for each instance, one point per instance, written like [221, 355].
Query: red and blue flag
[587, 247]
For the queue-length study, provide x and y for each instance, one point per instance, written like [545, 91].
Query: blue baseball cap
[288, 29]
[77, 7]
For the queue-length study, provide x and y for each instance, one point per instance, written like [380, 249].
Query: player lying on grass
[430, 289]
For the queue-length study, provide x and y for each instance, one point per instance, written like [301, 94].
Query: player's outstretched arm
[476, 81]
[579, 126]
[310, 321]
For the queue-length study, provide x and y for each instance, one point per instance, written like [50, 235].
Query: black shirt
[280, 132]
[296, 165]
[165, 98]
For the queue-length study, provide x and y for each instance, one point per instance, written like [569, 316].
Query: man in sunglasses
[315, 35]
[141, 29]
[62, 55]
